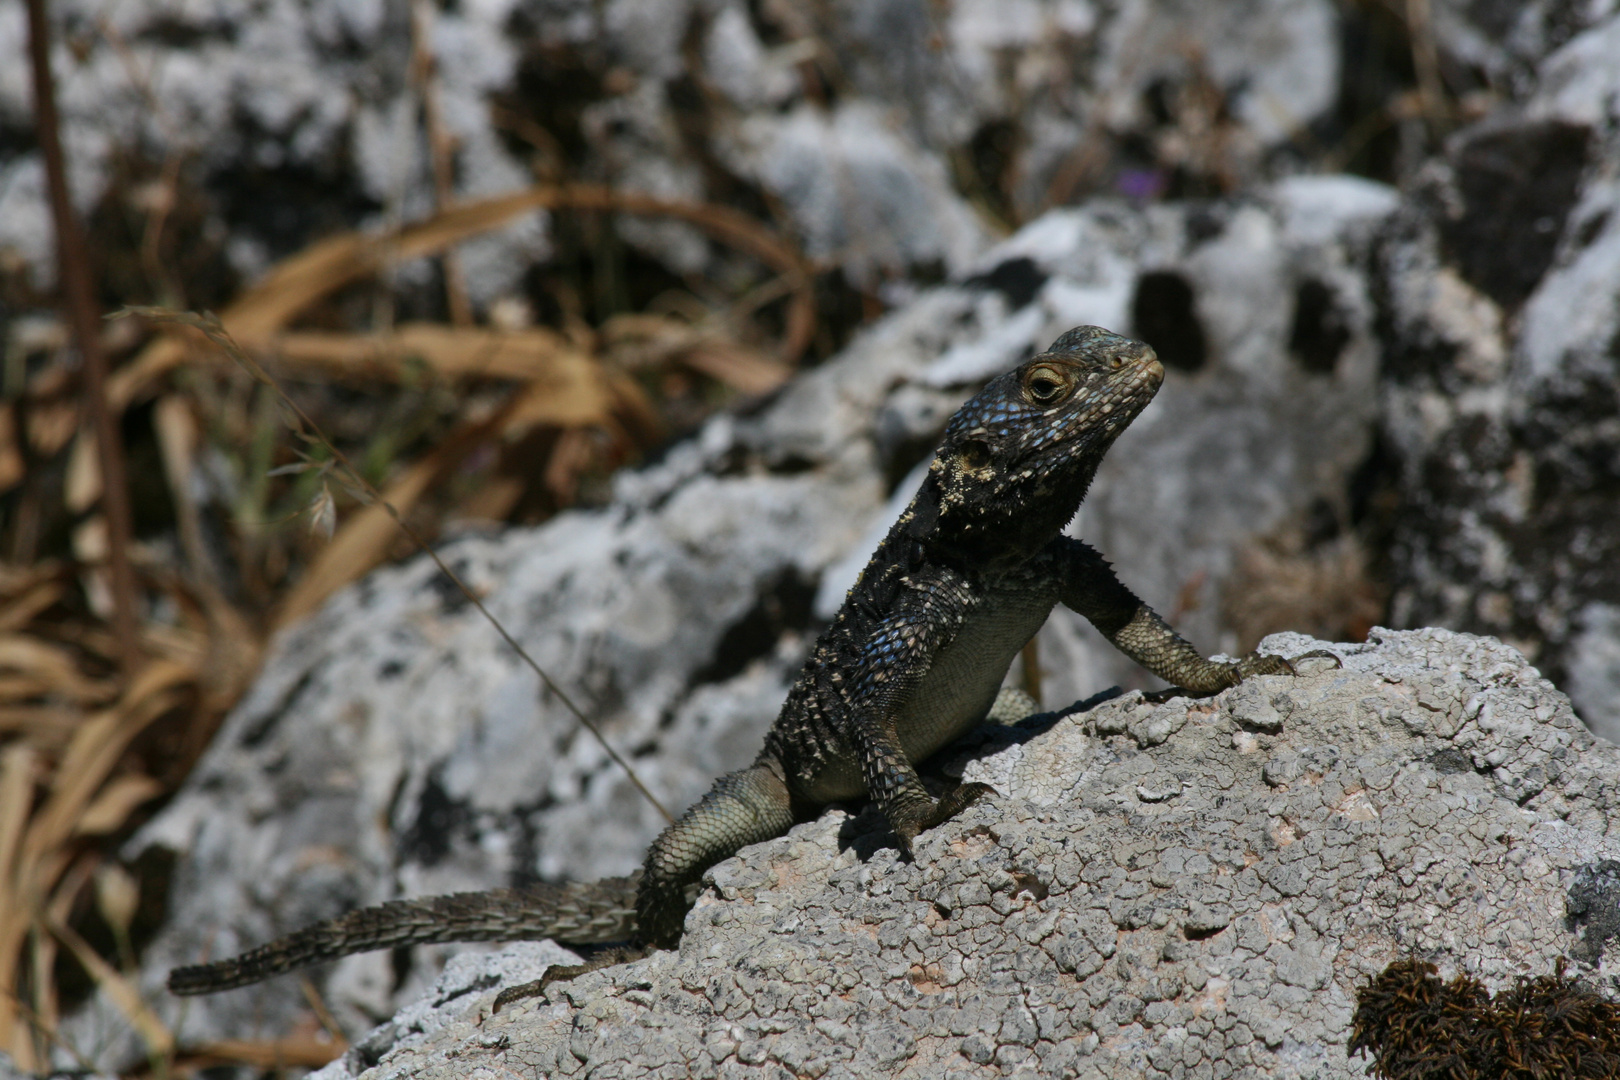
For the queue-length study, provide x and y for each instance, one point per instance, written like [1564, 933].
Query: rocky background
[1374, 245]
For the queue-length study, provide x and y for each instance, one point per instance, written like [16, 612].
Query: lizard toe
[957, 800]
[1264, 664]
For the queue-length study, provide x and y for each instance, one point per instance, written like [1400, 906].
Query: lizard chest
[951, 698]
[962, 682]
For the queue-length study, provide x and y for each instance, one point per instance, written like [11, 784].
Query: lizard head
[1021, 453]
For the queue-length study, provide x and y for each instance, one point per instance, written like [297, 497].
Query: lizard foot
[605, 958]
[1259, 664]
[1319, 654]
[956, 800]
[1263, 664]
[1213, 678]
[953, 802]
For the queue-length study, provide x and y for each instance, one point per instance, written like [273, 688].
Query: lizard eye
[1045, 385]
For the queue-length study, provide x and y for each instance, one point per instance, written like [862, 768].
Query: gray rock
[681, 99]
[1059, 929]
[392, 747]
[1500, 398]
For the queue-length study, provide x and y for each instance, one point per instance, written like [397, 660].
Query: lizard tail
[576, 914]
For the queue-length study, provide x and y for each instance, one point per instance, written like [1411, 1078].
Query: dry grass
[1283, 582]
[85, 752]
[504, 417]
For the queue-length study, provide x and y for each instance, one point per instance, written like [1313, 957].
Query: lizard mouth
[1144, 362]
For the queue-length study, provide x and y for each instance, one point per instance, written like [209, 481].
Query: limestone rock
[296, 117]
[1433, 796]
[1502, 334]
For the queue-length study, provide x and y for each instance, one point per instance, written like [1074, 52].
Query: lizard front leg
[892, 782]
[897, 655]
[1090, 587]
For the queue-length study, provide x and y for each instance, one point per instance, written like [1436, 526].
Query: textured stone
[1499, 314]
[391, 747]
[305, 105]
[993, 950]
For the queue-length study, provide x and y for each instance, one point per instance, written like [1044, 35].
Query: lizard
[913, 660]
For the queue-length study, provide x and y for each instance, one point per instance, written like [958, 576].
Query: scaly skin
[913, 660]
[597, 911]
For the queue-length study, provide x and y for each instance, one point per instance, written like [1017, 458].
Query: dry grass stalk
[84, 756]
[216, 333]
[441, 148]
[365, 537]
[79, 302]
[648, 341]
[123, 993]
[77, 768]
[44, 821]
[451, 352]
[308, 1052]
[325, 267]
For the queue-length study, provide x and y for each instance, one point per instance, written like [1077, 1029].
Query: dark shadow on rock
[867, 832]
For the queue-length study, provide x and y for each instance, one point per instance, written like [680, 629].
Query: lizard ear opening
[974, 454]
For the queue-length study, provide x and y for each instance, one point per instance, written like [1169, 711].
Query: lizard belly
[962, 682]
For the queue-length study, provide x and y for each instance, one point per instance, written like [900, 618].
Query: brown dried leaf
[19, 765]
[452, 352]
[32, 667]
[307, 1052]
[255, 317]
[119, 990]
[18, 768]
[22, 606]
[39, 858]
[47, 726]
[642, 340]
[116, 801]
[96, 747]
[11, 459]
[576, 392]
[740, 368]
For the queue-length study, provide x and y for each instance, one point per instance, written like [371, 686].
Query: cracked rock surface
[1190, 889]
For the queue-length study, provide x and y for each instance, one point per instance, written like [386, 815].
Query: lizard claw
[953, 802]
[602, 958]
[524, 991]
[1262, 664]
[956, 800]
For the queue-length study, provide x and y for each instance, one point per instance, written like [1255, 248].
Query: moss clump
[1419, 1027]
